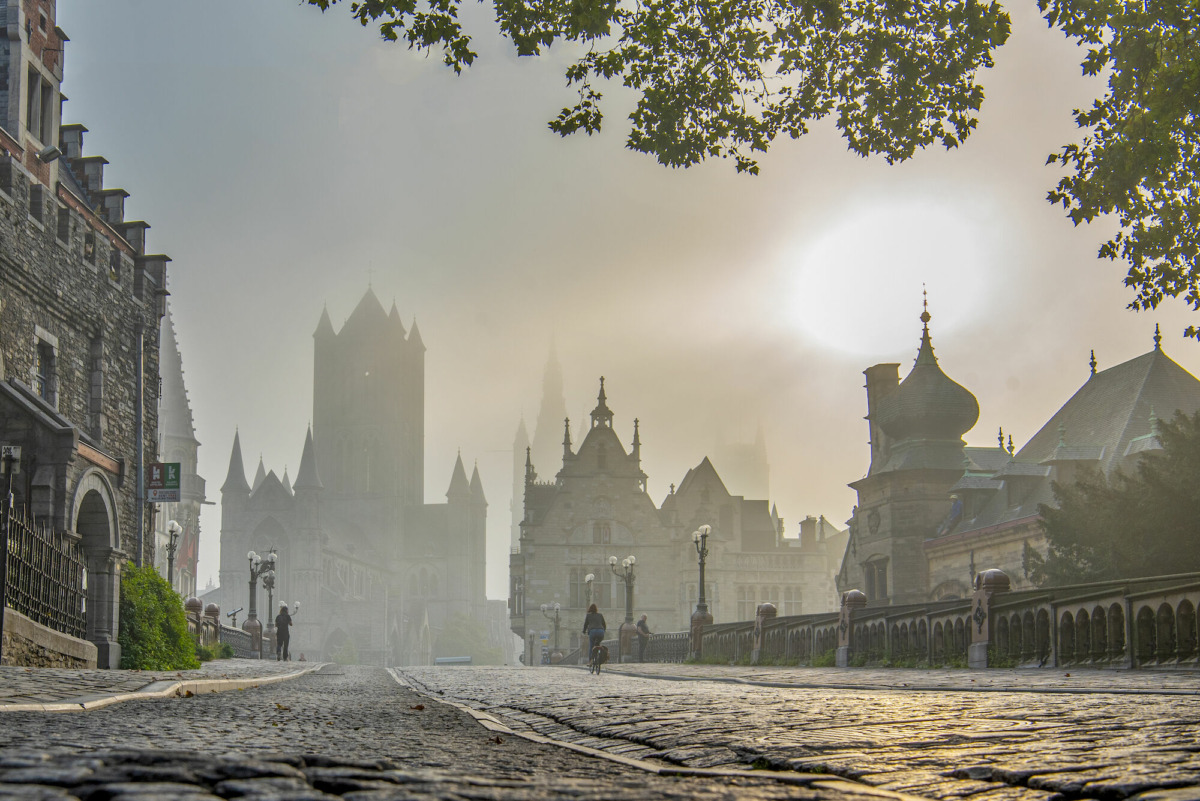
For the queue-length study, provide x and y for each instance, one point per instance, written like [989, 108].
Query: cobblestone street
[342, 732]
[1027, 735]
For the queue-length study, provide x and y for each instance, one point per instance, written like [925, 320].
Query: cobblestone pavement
[351, 733]
[1007, 744]
[20, 686]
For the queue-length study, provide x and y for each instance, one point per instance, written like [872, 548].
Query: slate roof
[1108, 419]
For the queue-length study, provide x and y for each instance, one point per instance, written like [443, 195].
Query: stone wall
[30, 644]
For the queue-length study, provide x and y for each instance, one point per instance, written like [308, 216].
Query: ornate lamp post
[588, 579]
[555, 655]
[701, 617]
[173, 532]
[268, 581]
[258, 567]
[625, 573]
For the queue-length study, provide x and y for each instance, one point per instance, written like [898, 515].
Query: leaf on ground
[283, 708]
[418, 707]
[498, 740]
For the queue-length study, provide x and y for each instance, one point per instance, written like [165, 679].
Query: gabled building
[598, 506]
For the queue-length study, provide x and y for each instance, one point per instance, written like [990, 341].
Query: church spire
[235, 479]
[1092, 363]
[1157, 338]
[477, 487]
[260, 474]
[636, 451]
[460, 488]
[307, 477]
[553, 408]
[567, 454]
[530, 475]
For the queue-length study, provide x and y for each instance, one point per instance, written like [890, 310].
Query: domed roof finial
[925, 315]
[1000, 436]
[1157, 338]
[1093, 361]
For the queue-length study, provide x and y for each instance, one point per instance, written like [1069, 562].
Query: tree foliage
[153, 631]
[1128, 526]
[724, 78]
[1140, 153]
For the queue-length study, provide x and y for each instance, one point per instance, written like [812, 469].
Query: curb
[819, 781]
[919, 688]
[158, 689]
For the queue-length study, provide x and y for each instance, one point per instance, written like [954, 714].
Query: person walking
[594, 627]
[283, 634]
[643, 634]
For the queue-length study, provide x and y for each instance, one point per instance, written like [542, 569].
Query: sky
[288, 159]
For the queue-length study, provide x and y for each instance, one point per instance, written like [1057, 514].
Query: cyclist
[594, 627]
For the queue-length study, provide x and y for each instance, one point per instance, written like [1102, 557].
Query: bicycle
[598, 657]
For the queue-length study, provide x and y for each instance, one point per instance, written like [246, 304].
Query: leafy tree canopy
[724, 78]
[1128, 526]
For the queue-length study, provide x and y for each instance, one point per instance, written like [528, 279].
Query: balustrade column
[987, 584]
[852, 601]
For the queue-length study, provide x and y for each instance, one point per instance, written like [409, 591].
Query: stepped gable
[928, 404]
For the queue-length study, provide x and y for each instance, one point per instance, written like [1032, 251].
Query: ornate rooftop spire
[602, 415]
[567, 438]
[1093, 361]
[1157, 338]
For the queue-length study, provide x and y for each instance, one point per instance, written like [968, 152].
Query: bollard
[987, 584]
[765, 612]
[851, 601]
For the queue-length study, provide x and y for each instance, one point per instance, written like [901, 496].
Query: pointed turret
[235, 479]
[460, 487]
[324, 326]
[567, 454]
[260, 474]
[477, 495]
[530, 475]
[287, 482]
[307, 477]
[602, 415]
[414, 336]
[394, 319]
[636, 451]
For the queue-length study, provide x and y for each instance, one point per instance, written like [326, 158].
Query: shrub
[207, 653]
[153, 630]
[827, 659]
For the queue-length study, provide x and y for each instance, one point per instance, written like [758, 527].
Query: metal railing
[46, 574]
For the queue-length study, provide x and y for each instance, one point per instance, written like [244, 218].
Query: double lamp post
[701, 617]
[628, 629]
[264, 568]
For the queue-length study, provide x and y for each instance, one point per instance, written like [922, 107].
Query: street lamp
[258, 567]
[268, 580]
[555, 654]
[701, 617]
[625, 573]
[588, 579]
[173, 532]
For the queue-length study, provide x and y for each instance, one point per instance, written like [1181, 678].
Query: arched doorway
[94, 519]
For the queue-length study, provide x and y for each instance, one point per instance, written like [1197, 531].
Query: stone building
[379, 572]
[933, 512]
[79, 323]
[597, 506]
[177, 443]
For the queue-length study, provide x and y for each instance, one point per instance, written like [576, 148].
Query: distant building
[597, 506]
[80, 304]
[379, 572]
[932, 512]
[177, 443]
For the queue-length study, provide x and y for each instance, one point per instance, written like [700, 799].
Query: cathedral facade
[377, 571]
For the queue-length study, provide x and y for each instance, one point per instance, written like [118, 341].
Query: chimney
[882, 380]
[808, 533]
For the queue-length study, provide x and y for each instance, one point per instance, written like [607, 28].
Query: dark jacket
[283, 622]
[594, 620]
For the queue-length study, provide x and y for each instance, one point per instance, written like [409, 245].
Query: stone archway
[94, 519]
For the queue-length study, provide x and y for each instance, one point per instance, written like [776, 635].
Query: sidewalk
[62, 689]
[1040, 680]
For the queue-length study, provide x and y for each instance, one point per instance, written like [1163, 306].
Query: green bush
[207, 653]
[827, 659]
[153, 631]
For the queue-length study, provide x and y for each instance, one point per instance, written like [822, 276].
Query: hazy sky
[286, 158]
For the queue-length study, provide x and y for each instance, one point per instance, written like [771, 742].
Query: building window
[89, 247]
[875, 574]
[64, 225]
[39, 107]
[745, 603]
[37, 203]
[44, 369]
[114, 265]
[601, 533]
[95, 389]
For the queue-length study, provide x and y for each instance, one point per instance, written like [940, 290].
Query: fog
[287, 160]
